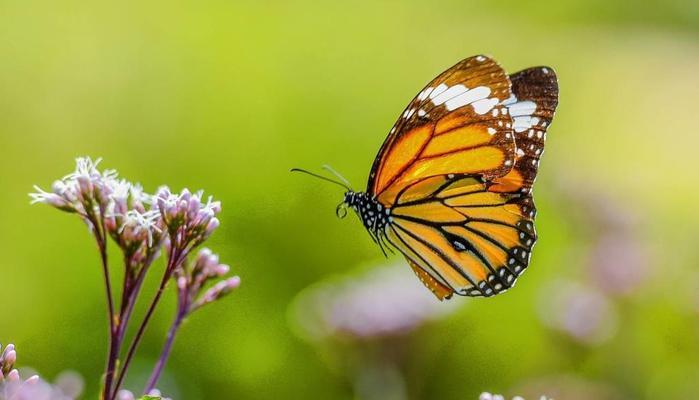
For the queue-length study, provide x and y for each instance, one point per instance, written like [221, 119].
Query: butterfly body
[451, 187]
[374, 216]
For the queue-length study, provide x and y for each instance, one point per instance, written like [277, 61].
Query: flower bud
[13, 376]
[124, 394]
[182, 283]
[211, 226]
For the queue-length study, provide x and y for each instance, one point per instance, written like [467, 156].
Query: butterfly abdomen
[373, 214]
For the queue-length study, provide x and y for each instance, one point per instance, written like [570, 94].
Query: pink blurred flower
[581, 312]
[489, 396]
[382, 301]
[618, 263]
[128, 395]
[68, 386]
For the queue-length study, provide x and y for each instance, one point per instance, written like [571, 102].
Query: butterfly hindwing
[468, 239]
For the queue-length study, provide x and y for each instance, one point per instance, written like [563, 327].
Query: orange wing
[467, 239]
[455, 125]
[441, 291]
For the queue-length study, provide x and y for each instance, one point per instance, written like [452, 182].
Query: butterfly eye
[341, 210]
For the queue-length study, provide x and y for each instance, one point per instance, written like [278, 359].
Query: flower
[187, 217]
[192, 279]
[141, 224]
[382, 301]
[127, 395]
[489, 396]
[68, 385]
[84, 191]
[8, 357]
[618, 263]
[581, 312]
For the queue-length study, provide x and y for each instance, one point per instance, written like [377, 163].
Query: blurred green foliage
[226, 96]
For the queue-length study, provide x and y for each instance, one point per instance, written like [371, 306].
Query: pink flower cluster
[142, 225]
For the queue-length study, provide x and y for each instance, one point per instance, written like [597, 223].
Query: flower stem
[153, 380]
[172, 262]
[114, 345]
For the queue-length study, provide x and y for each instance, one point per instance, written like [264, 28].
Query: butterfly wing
[466, 238]
[457, 170]
[532, 106]
[456, 125]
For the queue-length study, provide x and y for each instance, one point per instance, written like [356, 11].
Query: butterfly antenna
[343, 183]
[337, 174]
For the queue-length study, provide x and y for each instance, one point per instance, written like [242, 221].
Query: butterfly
[451, 186]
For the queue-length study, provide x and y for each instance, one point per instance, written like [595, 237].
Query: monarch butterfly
[451, 186]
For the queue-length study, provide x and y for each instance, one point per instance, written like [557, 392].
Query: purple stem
[158, 369]
[112, 356]
[130, 299]
[172, 263]
[114, 346]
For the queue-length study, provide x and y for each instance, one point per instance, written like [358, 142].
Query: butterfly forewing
[532, 106]
[456, 125]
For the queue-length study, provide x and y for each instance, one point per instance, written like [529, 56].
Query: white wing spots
[409, 113]
[480, 58]
[524, 123]
[521, 108]
[423, 95]
[393, 130]
[510, 100]
[472, 96]
[421, 113]
[492, 131]
[496, 111]
[530, 133]
[483, 106]
[521, 112]
[437, 91]
[520, 152]
[508, 163]
[539, 134]
[545, 70]
[448, 94]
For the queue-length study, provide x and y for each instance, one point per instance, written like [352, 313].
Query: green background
[227, 96]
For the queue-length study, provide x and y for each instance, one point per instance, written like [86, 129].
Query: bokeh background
[226, 96]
